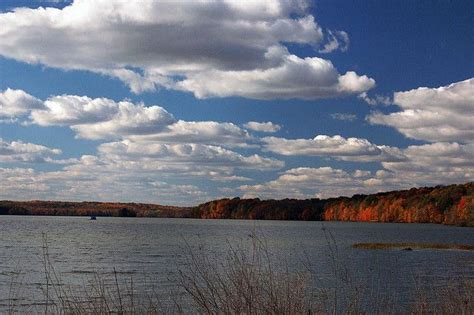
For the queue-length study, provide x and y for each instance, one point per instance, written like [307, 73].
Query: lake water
[152, 247]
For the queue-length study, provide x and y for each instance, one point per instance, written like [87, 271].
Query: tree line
[453, 204]
[86, 208]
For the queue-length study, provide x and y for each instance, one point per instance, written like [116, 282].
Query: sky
[181, 102]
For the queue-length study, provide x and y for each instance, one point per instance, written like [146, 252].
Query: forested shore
[453, 204]
[90, 208]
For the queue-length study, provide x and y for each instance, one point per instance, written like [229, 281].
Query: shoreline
[450, 205]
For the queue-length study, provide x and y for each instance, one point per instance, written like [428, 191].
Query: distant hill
[453, 204]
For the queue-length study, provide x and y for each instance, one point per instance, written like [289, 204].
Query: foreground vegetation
[453, 204]
[248, 279]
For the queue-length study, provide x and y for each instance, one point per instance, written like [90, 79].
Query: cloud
[307, 182]
[17, 102]
[308, 78]
[441, 114]
[130, 171]
[193, 154]
[175, 161]
[209, 132]
[435, 157]
[130, 120]
[378, 99]
[18, 151]
[423, 165]
[67, 110]
[173, 192]
[344, 117]
[169, 35]
[175, 44]
[103, 118]
[262, 126]
[19, 182]
[361, 173]
[439, 163]
[9, 121]
[135, 171]
[27, 184]
[416, 165]
[161, 146]
[337, 40]
[349, 149]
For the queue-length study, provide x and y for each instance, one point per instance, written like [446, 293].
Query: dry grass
[246, 281]
[412, 246]
[454, 298]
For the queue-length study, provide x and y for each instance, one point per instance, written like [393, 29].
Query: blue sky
[179, 103]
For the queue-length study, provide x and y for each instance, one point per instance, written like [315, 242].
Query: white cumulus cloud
[192, 154]
[17, 102]
[209, 132]
[307, 182]
[441, 114]
[180, 44]
[103, 118]
[262, 126]
[308, 78]
[350, 149]
[19, 151]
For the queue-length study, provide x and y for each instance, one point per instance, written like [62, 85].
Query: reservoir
[153, 248]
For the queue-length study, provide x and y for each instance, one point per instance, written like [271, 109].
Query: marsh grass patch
[408, 246]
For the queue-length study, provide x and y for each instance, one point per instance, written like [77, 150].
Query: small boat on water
[93, 217]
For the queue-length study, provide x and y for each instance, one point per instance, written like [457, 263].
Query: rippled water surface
[151, 247]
